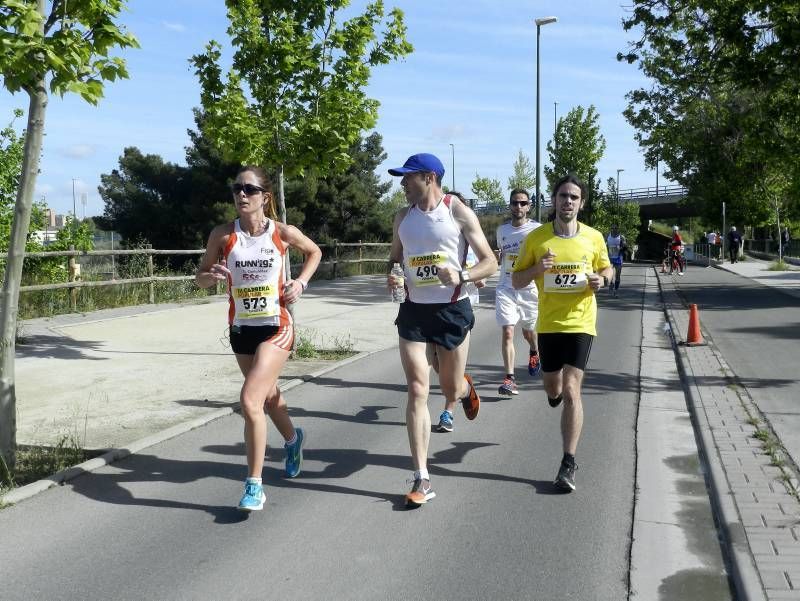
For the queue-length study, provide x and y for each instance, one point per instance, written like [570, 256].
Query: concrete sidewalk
[757, 269]
[177, 362]
[755, 498]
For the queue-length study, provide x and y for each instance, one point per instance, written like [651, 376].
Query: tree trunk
[9, 297]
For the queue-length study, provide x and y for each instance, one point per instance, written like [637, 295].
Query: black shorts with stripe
[245, 339]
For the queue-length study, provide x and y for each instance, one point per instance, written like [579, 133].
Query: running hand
[292, 291]
[449, 276]
[547, 262]
[595, 281]
[219, 271]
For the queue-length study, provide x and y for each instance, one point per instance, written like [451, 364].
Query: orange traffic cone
[693, 336]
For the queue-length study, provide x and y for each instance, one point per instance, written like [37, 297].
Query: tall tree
[577, 147]
[67, 50]
[608, 210]
[343, 206]
[187, 200]
[145, 185]
[295, 97]
[524, 175]
[11, 155]
[726, 71]
[488, 191]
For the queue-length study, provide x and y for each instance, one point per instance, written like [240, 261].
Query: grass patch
[35, 462]
[779, 266]
[310, 345]
[761, 435]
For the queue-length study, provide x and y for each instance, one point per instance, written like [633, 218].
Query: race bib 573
[260, 300]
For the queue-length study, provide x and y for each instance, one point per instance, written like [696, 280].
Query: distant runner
[512, 306]
[616, 245]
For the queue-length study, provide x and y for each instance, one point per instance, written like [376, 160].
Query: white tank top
[431, 240]
[509, 241]
[255, 286]
[613, 243]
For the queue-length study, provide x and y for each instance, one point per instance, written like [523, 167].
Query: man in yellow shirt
[569, 262]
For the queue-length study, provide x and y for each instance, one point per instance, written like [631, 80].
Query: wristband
[605, 282]
[303, 284]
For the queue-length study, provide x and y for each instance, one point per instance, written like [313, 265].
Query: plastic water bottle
[398, 294]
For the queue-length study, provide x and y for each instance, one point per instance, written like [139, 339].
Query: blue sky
[470, 82]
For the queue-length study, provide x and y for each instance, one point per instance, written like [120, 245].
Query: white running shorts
[512, 306]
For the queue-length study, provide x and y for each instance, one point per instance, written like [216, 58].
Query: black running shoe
[566, 477]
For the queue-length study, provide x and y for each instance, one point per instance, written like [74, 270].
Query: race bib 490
[566, 277]
[508, 262]
[425, 268]
[260, 300]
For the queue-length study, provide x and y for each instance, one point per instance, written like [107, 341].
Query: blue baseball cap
[422, 162]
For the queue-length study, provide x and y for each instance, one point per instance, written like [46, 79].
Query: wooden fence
[73, 270]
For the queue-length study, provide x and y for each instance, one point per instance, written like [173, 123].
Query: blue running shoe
[534, 367]
[294, 454]
[445, 422]
[253, 498]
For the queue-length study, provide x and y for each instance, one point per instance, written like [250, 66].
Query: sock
[422, 475]
[568, 459]
[533, 353]
[292, 440]
[469, 390]
[510, 376]
[254, 480]
[555, 402]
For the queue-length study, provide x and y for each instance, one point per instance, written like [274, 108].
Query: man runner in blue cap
[430, 240]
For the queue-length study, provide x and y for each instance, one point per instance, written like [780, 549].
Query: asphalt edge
[59, 478]
[744, 574]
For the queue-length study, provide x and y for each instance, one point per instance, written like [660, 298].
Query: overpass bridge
[660, 202]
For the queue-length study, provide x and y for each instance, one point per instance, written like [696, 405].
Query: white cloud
[77, 151]
[179, 27]
[447, 133]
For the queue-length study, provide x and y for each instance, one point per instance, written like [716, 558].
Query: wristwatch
[605, 282]
[463, 276]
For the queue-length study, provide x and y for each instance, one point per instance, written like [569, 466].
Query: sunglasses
[248, 189]
[520, 203]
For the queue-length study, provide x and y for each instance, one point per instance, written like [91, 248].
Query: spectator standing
[785, 239]
[734, 242]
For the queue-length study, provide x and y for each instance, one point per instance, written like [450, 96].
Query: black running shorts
[245, 339]
[557, 350]
[445, 324]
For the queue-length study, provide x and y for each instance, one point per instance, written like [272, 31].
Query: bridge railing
[634, 194]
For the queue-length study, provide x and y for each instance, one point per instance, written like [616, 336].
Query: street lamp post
[74, 209]
[453, 170]
[555, 124]
[539, 23]
[618, 172]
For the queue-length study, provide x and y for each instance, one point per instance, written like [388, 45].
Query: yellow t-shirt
[566, 302]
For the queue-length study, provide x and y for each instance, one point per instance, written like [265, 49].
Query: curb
[746, 579]
[34, 488]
